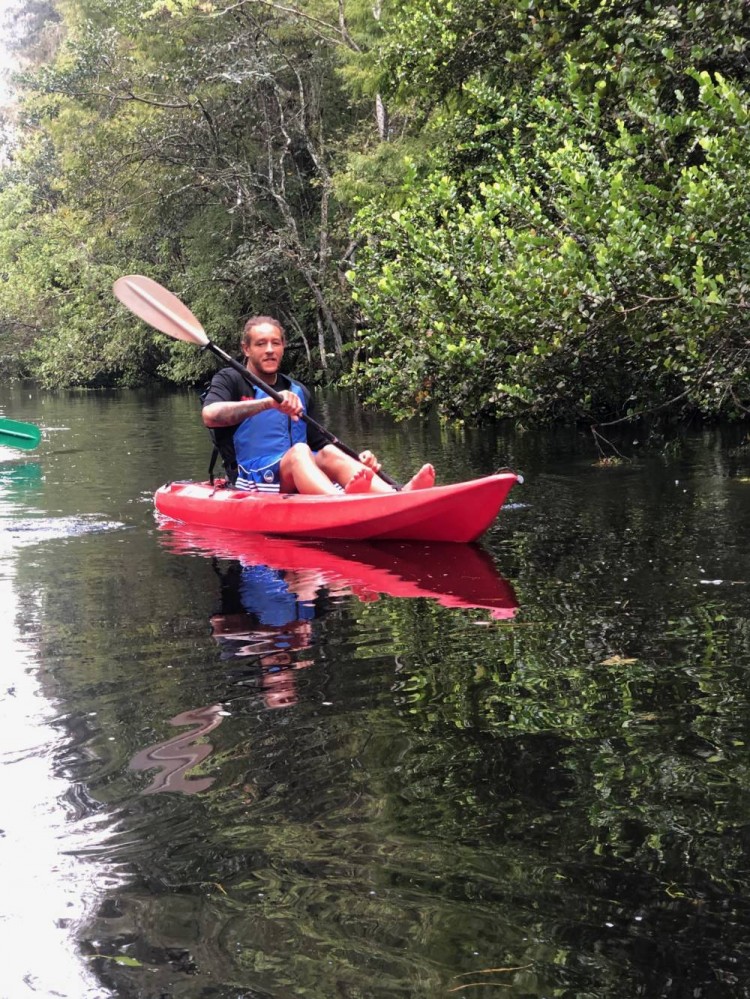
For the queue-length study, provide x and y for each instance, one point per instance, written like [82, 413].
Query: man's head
[263, 343]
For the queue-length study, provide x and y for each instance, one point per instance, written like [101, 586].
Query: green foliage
[573, 243]
[547, 219]
[190, 142]
[54, 287]
[432, 49]
[577, 274]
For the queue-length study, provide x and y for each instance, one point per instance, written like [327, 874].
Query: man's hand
[370, 461]
[290, 405]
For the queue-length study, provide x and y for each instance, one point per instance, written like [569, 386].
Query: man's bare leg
[299, 473]
[341, 468]
[348, 472]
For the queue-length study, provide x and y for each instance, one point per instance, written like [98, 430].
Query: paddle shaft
[277, 397]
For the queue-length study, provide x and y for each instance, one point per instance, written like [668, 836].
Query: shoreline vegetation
[489, 208]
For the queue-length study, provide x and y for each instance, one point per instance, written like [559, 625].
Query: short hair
[254, 321]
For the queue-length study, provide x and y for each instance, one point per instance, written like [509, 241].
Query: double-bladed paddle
[148, 300]
[16, 434]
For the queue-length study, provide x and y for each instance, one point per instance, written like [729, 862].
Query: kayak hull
[459, 512]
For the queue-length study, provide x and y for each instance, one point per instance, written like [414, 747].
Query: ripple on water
[35, 530]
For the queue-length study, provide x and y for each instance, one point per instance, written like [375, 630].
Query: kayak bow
[458, 512]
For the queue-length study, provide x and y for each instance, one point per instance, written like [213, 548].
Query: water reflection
[175, 757]
[561, 794]
[270, 593]
[47, 890]
[277, 571]
[243, 638]
[17, 479]
[266, 616]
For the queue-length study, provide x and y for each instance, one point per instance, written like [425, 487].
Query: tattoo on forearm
[229, 414]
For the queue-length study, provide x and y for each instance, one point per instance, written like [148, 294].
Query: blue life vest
[271, 433]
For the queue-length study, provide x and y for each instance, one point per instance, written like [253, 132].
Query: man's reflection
[267, 615]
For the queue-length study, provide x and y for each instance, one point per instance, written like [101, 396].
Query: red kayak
[454, 577]
[458, 512]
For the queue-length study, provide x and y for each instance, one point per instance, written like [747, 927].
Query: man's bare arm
[229, 414]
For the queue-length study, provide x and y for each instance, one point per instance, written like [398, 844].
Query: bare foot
[424, 478]
[359, 482]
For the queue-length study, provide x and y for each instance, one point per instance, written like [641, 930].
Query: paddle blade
[159, 308]
[23, 435]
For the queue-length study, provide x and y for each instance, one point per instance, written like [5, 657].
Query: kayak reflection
[454, 575]
[17, 481]
[274, 588]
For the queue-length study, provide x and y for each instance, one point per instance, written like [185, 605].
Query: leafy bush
[579, 273]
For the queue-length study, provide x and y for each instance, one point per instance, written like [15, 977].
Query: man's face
[264, 350]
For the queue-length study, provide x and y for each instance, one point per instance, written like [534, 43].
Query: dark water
[244, 769]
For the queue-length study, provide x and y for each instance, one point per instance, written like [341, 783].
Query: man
[275, 450]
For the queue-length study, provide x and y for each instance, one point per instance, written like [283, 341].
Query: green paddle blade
[23, 435]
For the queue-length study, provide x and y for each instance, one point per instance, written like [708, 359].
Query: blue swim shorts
[261, 476]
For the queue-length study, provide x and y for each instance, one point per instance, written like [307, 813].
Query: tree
[199, 137]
